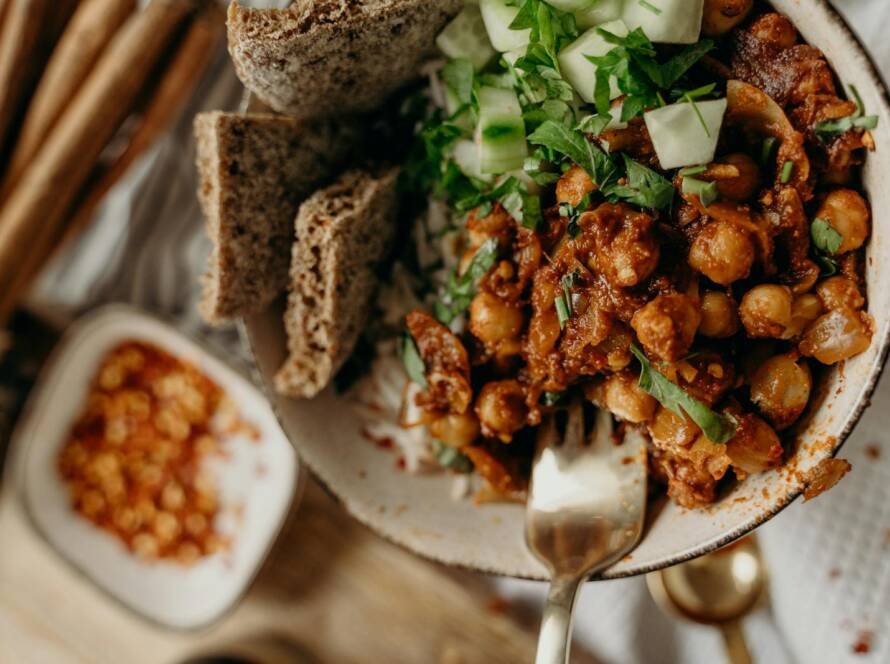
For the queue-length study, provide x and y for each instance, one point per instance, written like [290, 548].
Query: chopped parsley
[787, 172]
[413, 362]
[830, 129]
[461, 289]
[644, 187]
[768, 150]
[717, 427]
[450, 458]
[825, 238]
[706, 191]
[640, 77]
[563, 302]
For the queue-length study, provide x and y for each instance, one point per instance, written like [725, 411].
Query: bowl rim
[881, 87]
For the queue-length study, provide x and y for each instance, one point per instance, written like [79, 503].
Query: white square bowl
[257, 480]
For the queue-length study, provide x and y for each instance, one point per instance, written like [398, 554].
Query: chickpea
[668, 430]
[780, 388]
[848, 214]
[721, 16]
[723, 252]
[573, 186]
[804, 310]
[838, 335]
[492, 320]
[719, 317]
[755, 447]
[502, 409]
[621, 395]
[766, 311]
[838, 292]
[774, 29]
[666, 326]
[742, 187]
[456, 430]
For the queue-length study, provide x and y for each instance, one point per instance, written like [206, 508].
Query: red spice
[383, 442]
[498, 605]
[133, 460]
[863, 642]
[400, 463]
[873, 451]
[834, 573]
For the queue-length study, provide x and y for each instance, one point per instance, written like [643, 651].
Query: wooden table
[338, 590]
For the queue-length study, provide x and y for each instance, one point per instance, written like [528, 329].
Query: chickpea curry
[654, 205]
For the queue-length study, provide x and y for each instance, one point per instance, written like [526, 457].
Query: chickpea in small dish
[133, 463]
[697, 224]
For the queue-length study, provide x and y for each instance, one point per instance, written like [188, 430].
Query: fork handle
[555, 639]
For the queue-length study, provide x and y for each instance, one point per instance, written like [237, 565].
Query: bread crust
[255, 170]
[344, 232]
[322, 57]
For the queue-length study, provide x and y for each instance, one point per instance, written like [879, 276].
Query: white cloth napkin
[829, 559]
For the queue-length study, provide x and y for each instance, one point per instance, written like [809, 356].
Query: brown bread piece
[321, 57]
[344, 231]
[255, 170]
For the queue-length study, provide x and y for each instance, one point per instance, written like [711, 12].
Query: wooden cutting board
[333, 587]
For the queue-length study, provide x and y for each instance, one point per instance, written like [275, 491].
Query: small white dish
[257, 479]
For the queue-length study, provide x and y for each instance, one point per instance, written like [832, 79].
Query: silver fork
[585, 512]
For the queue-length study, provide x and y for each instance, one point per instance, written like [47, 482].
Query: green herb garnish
[451, 458]
[717, 427]
[644, 187]
[461, 289]
[827, 266]
[707, 192]
[645, 4]
[787, 171]
[825, 238]
[857, 120]
[563, 302]
[767, 150]
[552, 398]
[413, 362]
[692, 171]
[458, 76]
[640, 77]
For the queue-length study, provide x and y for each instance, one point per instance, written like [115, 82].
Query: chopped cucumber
[665, 21]
[501, 131]
[686, 134]
[466, 37]
[571, 5]
[581, 72]
[466, 156]
[602, 11]
[452, 106]
[498, 16]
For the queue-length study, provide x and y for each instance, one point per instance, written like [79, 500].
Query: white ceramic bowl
[257, 479]
[418, 512]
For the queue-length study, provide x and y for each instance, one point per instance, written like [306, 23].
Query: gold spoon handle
[734, 639]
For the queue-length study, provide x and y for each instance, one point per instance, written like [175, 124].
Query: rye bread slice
[255, 170]
[320, 57]
[344, 231]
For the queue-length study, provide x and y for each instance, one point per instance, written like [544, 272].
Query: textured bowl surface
[418, 511]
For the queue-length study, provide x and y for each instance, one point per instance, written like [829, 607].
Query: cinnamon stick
[173, 91]
[37, 206]
[19, 46]
[88, 33]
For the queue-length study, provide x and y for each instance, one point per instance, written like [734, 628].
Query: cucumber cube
[466, 37]
[501, 131]
[681, 137]
[601, 12]
[581, 72]
[665, 21]
[498, 16]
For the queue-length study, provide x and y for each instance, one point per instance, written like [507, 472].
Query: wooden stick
[88, 33]
[19, 45]
[173, 92]
[38, 204]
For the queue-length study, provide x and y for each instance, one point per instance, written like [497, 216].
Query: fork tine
[574, 435]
